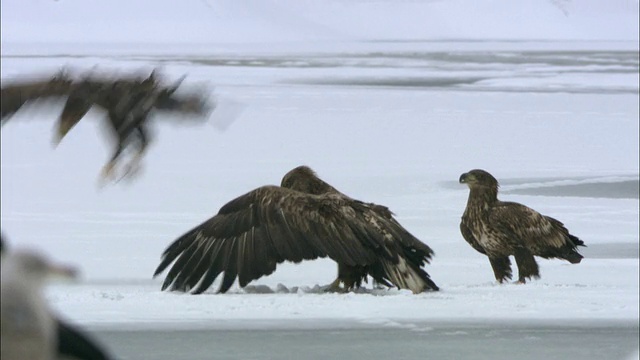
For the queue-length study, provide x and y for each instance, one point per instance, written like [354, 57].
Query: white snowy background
[540, 93]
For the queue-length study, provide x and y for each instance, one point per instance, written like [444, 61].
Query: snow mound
[316, 289]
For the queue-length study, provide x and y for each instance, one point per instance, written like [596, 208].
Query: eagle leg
[501, 268]
[527, 266]
[351, 284]
[133, 167]
[352, 276]
[108, 171]
[131, 171]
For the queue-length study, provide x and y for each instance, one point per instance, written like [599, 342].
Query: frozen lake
[390, 123]
[558, 341]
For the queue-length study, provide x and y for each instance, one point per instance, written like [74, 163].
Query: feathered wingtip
[572, 255]
[576, 241]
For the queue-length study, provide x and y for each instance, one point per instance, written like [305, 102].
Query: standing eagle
[303, 219]
[500, 229]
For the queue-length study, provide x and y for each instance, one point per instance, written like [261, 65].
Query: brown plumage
[303, 219]
[128, 103]
[17, 94]
[500, 229]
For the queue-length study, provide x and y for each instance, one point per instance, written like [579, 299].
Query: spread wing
[185, 104]
[254, 232]
[410, 244]
[12, 101]
[16, 94]
[75, 108]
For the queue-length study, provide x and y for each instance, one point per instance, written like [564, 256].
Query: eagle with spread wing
[128, 103]
[303, 219]
[500, 229]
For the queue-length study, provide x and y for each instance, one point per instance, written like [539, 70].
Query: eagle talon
[108, 173]
[131, 170]
[336, 290]
[335, 287]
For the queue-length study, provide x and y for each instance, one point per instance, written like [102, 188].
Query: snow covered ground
[388, 142]
[393, 122]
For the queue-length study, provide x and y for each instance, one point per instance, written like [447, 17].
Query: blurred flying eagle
[128, 103]
[22, 279]
[303, 219]
[500, 229]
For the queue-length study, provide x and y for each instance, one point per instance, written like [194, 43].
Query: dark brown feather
[17, 93]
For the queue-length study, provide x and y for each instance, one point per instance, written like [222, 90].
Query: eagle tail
[569, 250]
[405, 275]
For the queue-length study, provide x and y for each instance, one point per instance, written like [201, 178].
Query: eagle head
[305, 180]
[479, 178]
[298, 176]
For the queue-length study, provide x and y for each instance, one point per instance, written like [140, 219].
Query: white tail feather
[403, 276]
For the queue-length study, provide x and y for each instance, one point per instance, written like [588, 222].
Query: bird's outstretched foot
[108, 173]
[335, 287]
[130, 171]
